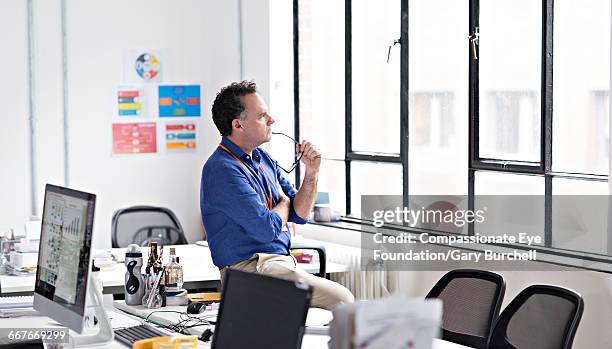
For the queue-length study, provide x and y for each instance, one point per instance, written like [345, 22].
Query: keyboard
[130, 335]
[16, 302]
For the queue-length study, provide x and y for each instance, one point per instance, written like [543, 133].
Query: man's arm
[283, 206]
[305, 197]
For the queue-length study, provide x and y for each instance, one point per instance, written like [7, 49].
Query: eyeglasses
[297, 158]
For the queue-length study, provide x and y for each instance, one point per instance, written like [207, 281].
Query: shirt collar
[256, 158]
[233, 147]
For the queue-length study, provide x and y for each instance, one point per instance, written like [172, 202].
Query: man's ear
[236, 123]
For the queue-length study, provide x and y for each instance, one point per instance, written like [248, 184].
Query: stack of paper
[396, 322]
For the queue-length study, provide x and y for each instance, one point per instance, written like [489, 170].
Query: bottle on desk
[134, 283]
[174, 272]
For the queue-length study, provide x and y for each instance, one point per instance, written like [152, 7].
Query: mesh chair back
[540, 317]
[471, 300]
[128, 221]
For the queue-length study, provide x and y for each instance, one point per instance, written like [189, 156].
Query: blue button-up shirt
[238, 223]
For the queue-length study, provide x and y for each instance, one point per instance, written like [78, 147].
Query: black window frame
[542, 168]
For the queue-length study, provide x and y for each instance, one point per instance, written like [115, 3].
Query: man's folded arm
[236, 198]
[290, 191]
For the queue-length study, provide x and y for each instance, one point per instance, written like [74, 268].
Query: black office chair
[540, 317]
[142, 224]
[471, 300]
[319, 248]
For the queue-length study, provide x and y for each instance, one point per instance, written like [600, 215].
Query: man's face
[257, 126]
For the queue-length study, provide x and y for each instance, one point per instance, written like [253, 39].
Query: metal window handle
[395, 42]
[474, 41]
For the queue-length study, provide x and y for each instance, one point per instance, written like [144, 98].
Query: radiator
[368, 284]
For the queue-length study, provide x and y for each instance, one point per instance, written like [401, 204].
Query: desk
[315, 317]
[119, 320]
[198, 271]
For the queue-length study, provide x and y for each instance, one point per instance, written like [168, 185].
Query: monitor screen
[65, 244]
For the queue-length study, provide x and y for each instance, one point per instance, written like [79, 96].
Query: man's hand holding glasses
[310, 155]
[305, 151]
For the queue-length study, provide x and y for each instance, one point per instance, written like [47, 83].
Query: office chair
[471, 301]
[319, 248]
[541, 316]
[141, 224]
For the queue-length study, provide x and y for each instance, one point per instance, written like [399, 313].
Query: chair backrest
[540, 317]
[127, 222]
[471, 301]
[317, 247]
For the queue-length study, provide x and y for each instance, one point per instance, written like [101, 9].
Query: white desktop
[64, 289]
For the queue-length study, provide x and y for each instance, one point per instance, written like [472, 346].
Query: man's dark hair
[228, 105]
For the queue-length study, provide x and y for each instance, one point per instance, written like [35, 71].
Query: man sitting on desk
[246, 201]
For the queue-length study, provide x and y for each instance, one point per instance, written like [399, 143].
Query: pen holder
[153, 300]
[153, 297]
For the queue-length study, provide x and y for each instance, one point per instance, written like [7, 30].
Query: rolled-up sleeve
[233, 195]
[290, 191]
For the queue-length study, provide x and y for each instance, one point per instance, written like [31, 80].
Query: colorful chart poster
[147, 66]
[130, 102]
[181, 136]
[143, 65]
[179, 100]
[134, 138]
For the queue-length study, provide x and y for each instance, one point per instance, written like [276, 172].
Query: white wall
[201, 42]
[14, 138]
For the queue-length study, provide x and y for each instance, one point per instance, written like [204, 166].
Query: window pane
[281, 75]
[321, 80]
[373, 178]
[438, 101]
[375, 83]
[332, 180]
[581, 86]
[510, 83]
[514, 204]
[496, 183]
[580, 211]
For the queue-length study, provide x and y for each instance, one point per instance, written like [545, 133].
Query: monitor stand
[93, 334]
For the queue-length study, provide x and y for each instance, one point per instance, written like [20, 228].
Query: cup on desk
[324, 213]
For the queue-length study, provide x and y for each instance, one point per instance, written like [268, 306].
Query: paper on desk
[397, 322]
[119, 320]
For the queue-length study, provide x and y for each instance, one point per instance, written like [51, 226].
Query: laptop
[261, 312]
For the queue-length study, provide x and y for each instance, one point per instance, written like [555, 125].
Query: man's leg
[326, 293]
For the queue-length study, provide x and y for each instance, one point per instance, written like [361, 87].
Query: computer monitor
[63, 281]
[253, 304]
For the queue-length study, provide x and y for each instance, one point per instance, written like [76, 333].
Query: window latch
[474, 42]
[395, 42]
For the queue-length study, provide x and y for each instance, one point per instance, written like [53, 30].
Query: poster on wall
[134, 138]
[143, 65]
[131, 102]
[180, 136]
[179, 100]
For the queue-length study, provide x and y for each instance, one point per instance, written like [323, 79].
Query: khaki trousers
[326, 293]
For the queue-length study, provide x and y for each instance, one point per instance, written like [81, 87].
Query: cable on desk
[186, 322]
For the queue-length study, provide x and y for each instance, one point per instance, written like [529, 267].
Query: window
[511, 130]
[581, 82]
[438, 81]
[320, 53]
[458, 98]
[509, 71]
